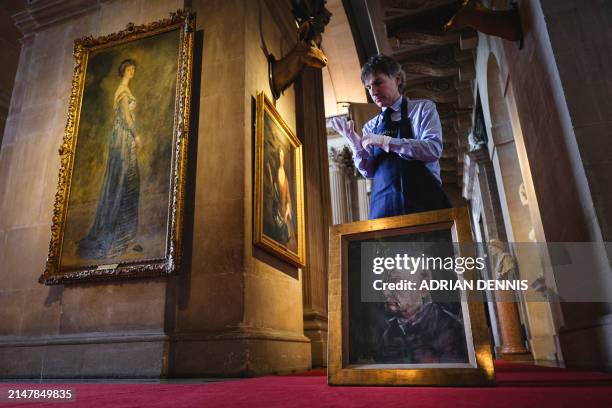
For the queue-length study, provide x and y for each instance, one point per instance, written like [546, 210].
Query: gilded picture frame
[278, 225]
[473, 367]
[118, 210]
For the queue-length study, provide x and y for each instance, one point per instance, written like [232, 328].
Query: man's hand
[372, 140]
[347, 129]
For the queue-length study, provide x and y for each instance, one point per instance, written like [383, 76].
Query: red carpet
[519, 386]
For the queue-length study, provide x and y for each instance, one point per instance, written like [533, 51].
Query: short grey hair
[383, 64]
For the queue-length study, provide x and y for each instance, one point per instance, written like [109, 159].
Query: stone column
[239, 309]
[339, 200]
[310, 123]
[504, 268]
[363, 198]
[349, 194]
[492, 214]
[512, 347]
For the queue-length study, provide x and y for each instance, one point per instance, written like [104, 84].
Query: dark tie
[386, 121]
[386, 124]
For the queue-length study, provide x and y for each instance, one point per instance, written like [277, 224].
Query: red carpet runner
[518, 386]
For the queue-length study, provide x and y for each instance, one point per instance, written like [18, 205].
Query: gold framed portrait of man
[388, 322]
[278, 188]
[118, 209]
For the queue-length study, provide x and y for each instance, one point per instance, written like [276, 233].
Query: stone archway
[515, 207]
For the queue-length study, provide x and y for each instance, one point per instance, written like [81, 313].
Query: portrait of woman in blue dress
[116, 222]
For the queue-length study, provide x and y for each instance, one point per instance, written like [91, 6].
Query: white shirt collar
[396, 105]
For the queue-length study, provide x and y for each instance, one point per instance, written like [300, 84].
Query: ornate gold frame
[183, 20]
[339, 371]
[263, 104]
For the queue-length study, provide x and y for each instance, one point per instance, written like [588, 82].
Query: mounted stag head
[311, 18]
[500, 23]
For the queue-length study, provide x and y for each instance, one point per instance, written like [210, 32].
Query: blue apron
[402, 186]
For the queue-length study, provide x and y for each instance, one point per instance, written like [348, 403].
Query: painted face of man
[383, 89]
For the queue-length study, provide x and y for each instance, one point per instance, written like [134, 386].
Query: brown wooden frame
[481, 372]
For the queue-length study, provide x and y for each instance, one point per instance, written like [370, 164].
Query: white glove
[347, 129]
[372, 140]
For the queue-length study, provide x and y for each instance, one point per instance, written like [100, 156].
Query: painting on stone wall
[119, 205]
[389, 322]
[278, 189]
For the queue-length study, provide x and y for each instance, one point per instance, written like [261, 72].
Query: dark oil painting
[279, 186]
[418, 328]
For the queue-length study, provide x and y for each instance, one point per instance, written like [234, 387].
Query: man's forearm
[423, 150]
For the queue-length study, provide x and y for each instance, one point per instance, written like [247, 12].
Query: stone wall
[97, 329]
[234, 310]
[551, 104]
[244, 313]
[583, 57]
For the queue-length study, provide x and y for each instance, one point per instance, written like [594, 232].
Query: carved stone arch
[511, 168]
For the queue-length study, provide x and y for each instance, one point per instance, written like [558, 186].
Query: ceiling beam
[408, 41]
[400, 10]
[375, 13]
